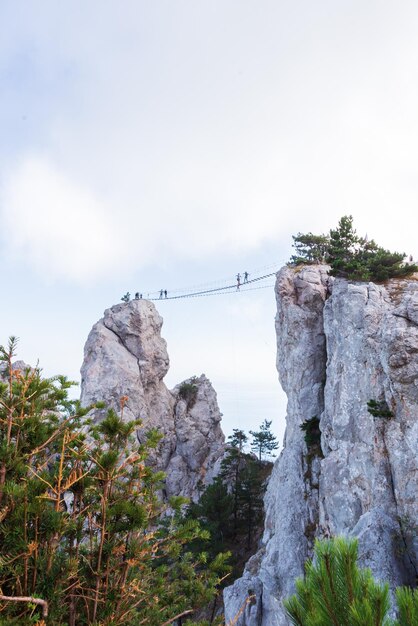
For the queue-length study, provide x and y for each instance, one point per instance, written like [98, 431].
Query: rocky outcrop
[16, 365]
[340, 345]
[125, 357]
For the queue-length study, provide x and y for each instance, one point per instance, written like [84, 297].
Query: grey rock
[125, 356]
[16, 365]
[340, 344]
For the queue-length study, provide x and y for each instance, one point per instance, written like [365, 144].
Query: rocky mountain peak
[137, 324]
[125, 356]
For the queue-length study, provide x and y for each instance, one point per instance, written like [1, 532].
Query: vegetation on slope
[82, 532]
[231, 508]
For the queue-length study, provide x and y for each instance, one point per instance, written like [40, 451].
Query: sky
[173, 143]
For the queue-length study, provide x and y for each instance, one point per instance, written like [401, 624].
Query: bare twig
[42, 603]
[173, 619]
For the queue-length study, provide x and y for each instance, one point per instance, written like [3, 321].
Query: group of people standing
[246, 275]
[241, 280]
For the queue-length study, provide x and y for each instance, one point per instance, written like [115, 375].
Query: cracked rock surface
[125, 355]
[340, 344]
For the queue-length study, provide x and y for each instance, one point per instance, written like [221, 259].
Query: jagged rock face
[16, 365]
[125, 356]
[340, 344]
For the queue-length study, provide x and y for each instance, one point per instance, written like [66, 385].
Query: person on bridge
[246, 274]
[165, 293]
[161, 294]
[238, 280]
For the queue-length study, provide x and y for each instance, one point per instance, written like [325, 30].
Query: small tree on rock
[351, 256]
[264, 441]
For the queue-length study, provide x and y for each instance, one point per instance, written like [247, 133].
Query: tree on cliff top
[309, 248]
[350, 256]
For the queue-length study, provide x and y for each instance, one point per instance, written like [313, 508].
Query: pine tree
[238, 439]
[342, 251]
[231, 469]
[245, 478]
[407, 600]
[349, 255]
[382, 264]
[214, 510]
[309, 248]
[264, 441]
[335, 592]
[83, 536]
[250, 498]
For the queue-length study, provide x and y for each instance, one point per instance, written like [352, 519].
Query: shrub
[379, 408]
[312, 433]
[188, 392]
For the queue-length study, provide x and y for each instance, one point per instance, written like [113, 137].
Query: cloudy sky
[170, 143]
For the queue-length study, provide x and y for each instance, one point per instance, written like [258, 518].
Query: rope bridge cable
[154, 295]
[225, 293]
[218, 290]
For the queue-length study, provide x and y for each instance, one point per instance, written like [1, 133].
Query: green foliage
[379, 408]
[81, 526]
[309, 248]
[335, 592]
[264, 441]
[250, 499]
[188, 392]
[342, 251]
[243, 476]
[312, 433]
[126, 297]
[382, 264]
[237, 440]
[215, 511]
[350, 256]
[407, 601]
[231, 508]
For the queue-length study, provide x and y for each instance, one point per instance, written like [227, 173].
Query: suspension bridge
[260, 278]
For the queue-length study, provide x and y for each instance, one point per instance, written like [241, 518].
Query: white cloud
[62, 228]
[55, 224]
[199, 130]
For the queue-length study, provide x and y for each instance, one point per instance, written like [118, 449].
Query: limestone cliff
[340, 344]
[126, 356]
